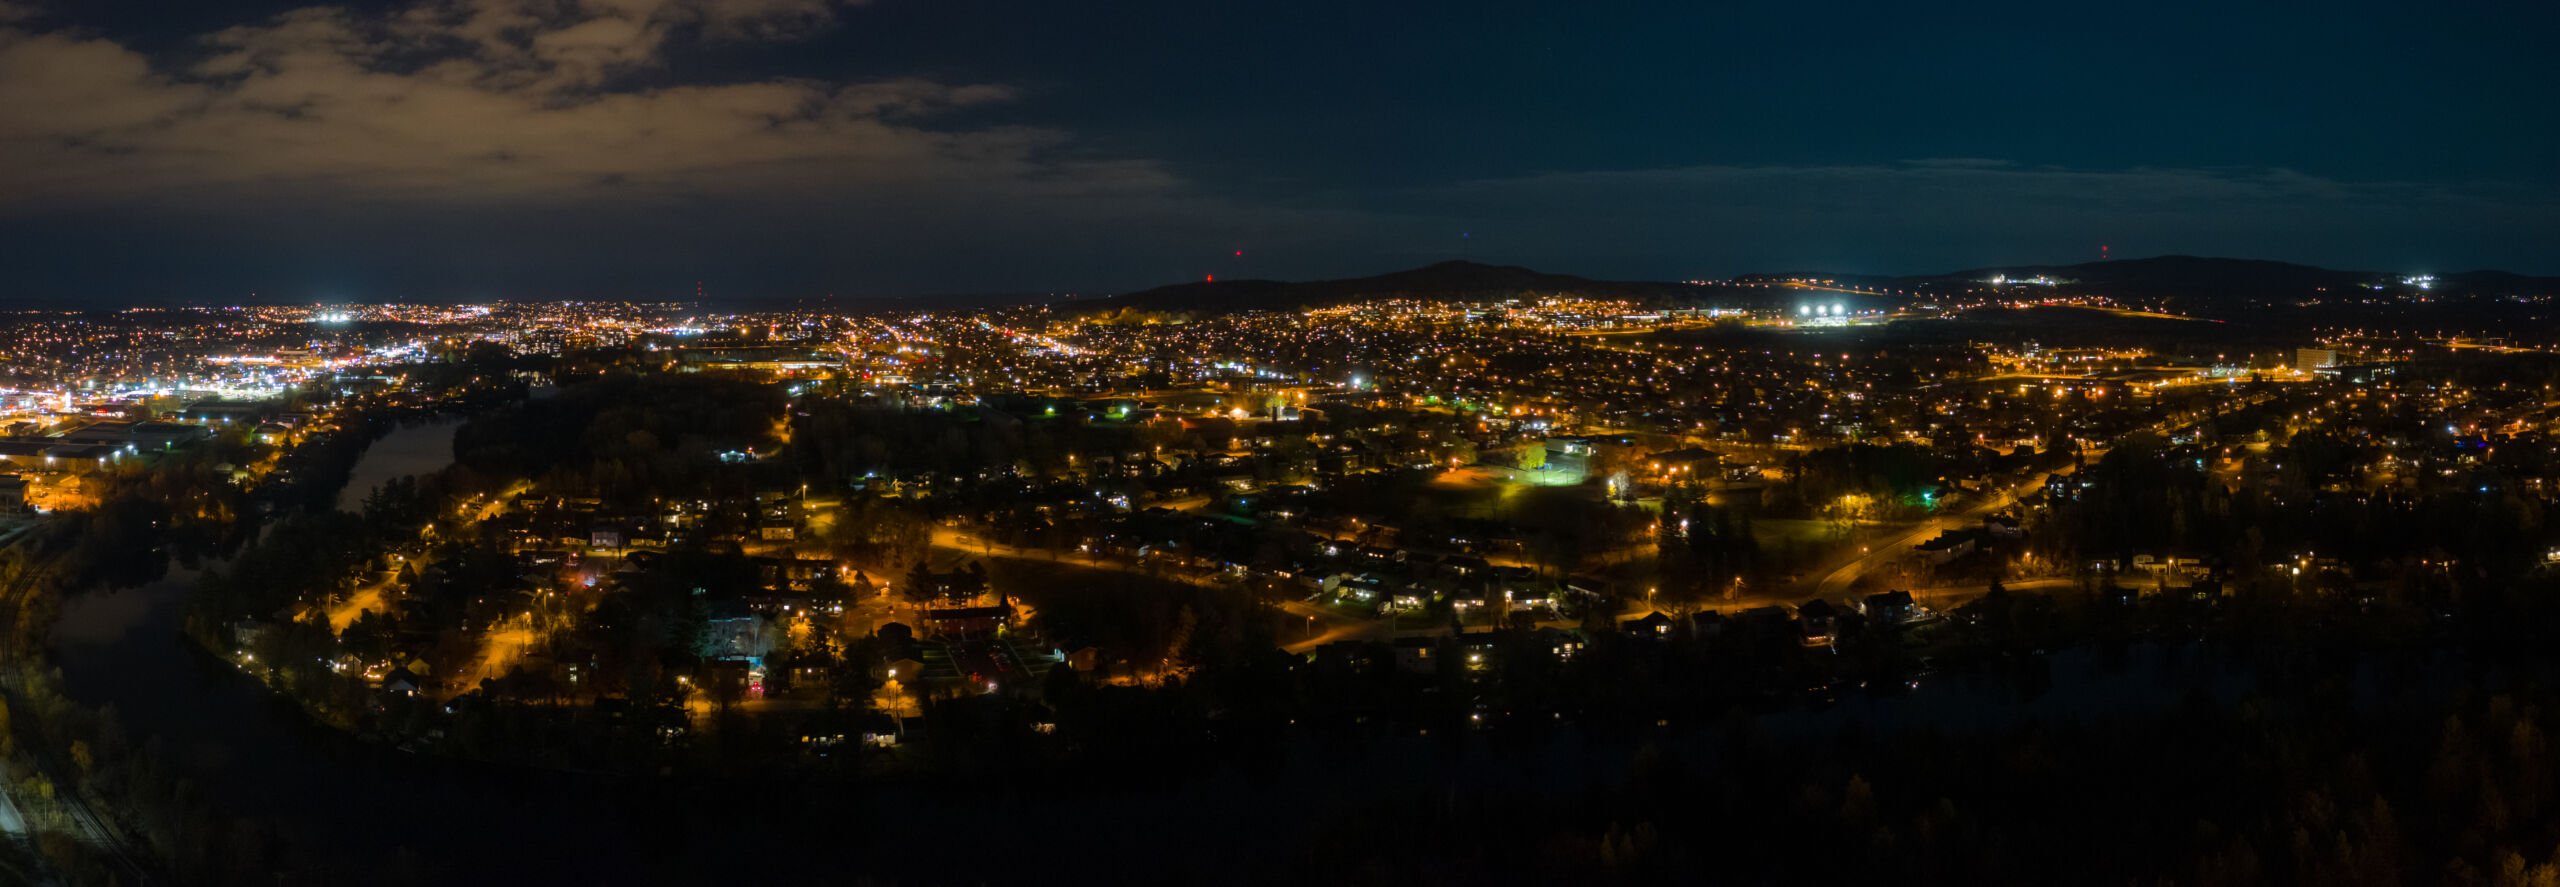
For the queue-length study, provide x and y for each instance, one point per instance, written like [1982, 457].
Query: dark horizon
[459, 150]
[711, 297]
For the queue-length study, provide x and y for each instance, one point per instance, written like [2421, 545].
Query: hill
[2209, 283]
[2191, 283]
[1444, 281]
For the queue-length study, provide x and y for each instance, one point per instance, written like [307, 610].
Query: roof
[1686, 454]
[31, 447]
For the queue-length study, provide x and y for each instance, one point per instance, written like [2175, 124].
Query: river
[334, 798]
[411, 449]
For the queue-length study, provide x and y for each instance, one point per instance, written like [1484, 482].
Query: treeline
[2151, 498]
[836, 441]
[2067, 738]
[625, 439]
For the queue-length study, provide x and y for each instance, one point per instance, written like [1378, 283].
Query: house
[1463, 565]
[2003, 527]
[1419, 654]
[401, 681]
[732, 630]
[1946, 547]
[1084, 659]
[2064, 487]
[1478, 649]
[905, 668]
[13, 493]
[1573, 456]
[1685, 462]
[140, 435]
[1891, 606]
[1817, 621]
[1466, 598]
[1359, 588]
[1707, 623]
[794, 573]
[968, 622]
[1559, 643]
[1656, 624]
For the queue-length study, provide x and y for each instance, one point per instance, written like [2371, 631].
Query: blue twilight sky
[199, 151]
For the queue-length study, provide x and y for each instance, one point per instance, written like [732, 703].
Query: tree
[1531, 456]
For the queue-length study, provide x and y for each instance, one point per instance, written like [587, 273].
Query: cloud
[492, 101]
[474, 145]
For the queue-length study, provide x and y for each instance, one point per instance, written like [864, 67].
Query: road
[967, 542]
[369, 596]
[1337, 626]
[1880, 554]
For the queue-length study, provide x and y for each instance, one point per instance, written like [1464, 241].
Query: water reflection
[254, 752]
[413, 449]
[107, 618]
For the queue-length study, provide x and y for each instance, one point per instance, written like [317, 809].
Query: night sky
[199, 151]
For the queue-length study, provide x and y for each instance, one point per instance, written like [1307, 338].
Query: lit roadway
[1338, 626]
[965, 541]
[1885, 552]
